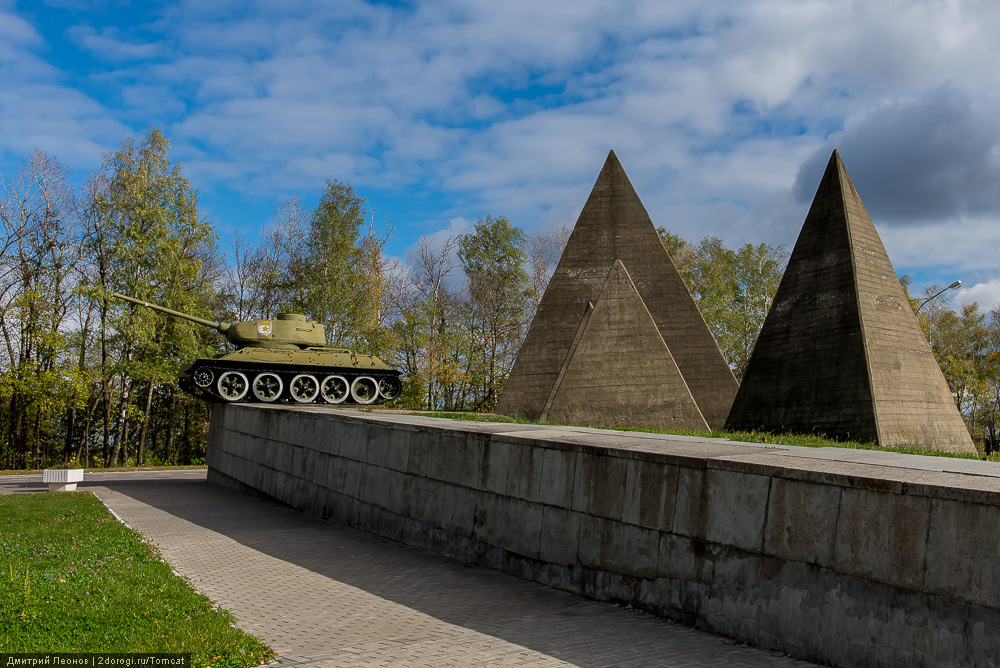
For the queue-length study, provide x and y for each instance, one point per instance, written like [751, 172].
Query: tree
[962, 343]
[427, 332]
[330, 281]
[151, 243]
[683, 254]
[990, 411]
[40, 255]
[270, 276]
[733, 289]
[493, 259]
[386, 282]
[966, 344]
[543, 252]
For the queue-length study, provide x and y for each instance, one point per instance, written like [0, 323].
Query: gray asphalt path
[322, 594]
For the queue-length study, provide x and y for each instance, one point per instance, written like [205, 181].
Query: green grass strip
[804, 440]
[74, 579]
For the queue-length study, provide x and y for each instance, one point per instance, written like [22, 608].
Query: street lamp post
[953, 286]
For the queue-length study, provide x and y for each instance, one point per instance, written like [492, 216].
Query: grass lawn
[74, 579]
[805, 440]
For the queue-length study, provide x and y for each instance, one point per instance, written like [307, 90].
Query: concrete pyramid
[614, 224]
[840, 352]
[619, 371]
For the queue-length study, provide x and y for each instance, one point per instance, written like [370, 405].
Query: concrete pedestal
[843, 557]
[62, 480]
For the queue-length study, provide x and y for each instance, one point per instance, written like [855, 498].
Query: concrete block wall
[845, 564]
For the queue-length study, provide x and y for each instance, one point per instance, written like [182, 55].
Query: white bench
[62, 480]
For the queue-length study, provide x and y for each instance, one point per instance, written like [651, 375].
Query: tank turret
[283, 360]
[288, 331]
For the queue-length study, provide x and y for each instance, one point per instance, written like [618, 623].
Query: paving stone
[322, 594]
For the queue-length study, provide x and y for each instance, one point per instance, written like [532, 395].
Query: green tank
[284, 360]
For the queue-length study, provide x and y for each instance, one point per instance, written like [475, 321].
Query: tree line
[966, 344]
[85, 377]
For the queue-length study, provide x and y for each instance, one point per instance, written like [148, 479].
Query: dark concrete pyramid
[614, 224]
[602, 383]
[840, 352]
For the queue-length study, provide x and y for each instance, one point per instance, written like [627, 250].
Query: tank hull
[310, 376]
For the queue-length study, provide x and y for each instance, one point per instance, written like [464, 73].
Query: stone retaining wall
[846, 564]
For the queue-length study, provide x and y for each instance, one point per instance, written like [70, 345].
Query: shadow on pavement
[555, 623]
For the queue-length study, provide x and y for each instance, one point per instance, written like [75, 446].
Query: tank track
[214, 380]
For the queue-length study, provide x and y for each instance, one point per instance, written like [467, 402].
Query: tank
[284, 360]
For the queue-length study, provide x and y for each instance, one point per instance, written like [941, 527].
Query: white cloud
[109, 45]
[15, 34]
[986, 294]
[511, 107]
[958, 248]
[39, 110]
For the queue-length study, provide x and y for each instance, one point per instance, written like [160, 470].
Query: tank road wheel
[203, 378]
[304, 388]
[233, 385]
[390, 387]
[267, 386]
[335, 389]
[364, 390]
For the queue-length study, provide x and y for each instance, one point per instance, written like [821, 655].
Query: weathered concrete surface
[840, 352]
[860, 558]
[620, 372]
[614, 224]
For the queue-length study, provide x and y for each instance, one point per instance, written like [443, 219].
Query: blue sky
[722, 112]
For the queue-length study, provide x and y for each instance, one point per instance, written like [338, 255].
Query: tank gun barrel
[221, 327]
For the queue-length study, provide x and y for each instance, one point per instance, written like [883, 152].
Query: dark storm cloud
[922, 160]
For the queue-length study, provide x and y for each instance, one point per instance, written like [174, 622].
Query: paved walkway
[322, 594]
